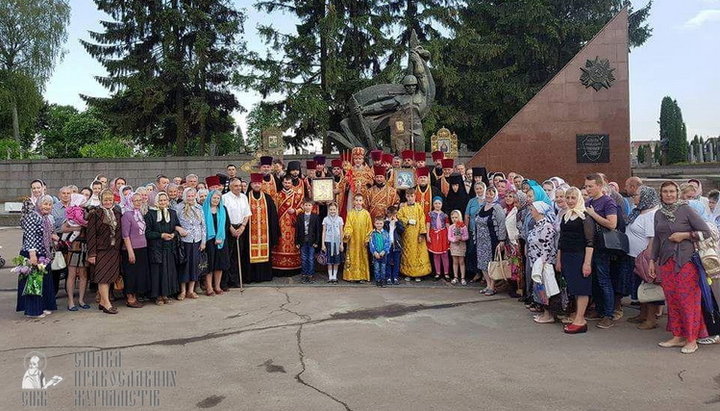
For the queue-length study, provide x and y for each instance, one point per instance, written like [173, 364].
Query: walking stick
[237, 247]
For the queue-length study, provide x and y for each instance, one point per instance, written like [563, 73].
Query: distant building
[635, 146]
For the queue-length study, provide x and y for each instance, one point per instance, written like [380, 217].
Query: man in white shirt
[238, 210]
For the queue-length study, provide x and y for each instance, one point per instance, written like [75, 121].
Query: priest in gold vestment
[357, 229]
[414, 258]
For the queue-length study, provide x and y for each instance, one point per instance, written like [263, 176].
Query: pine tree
[673, 131]
[641, 155]
[169, 65]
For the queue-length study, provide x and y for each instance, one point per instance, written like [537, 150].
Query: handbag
[119, 284]
[58, 262]
[499, 268]
[642, 266]
[321, 258]
[180, 257]
[202, 266]
[707, 250]
[613, 240]
[648, 293]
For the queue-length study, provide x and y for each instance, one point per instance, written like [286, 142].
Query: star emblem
[597, 74]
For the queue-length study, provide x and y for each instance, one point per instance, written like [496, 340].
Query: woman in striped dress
[104, 239]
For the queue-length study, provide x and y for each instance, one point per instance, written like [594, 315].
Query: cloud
[704, 16]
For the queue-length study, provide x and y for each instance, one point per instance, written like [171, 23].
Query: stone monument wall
[571, 129]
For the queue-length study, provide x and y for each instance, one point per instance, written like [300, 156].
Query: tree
[641, 154]
[338, 49]
[169, 64]
[32, 34]
[657, 154]
[111, 147]
[49, 127]
[502, 53]
[673, 131]
[20, 104]
[261, 117]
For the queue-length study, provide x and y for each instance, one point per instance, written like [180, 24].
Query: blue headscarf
[700, 208]
[221, 217]
[539, 193]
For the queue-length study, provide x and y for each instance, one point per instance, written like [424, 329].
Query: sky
[680, 60]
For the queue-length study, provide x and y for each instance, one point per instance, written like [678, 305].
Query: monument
[384, 110]
[578, 123]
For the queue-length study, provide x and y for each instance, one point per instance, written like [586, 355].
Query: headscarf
[163, 214]
[187, 206]
[202, 191]
[539, 193]
[669, 209]
[700, 208]
[34, 199]
[647, 199]
[48, 228]
[128, 207]
[505, 206]
[579, 210]
[522, 200]
[220, 235]
[544, 209]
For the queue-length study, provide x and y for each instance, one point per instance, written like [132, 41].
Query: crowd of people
[570, 254]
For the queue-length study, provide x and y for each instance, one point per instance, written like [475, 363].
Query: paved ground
[357, 348]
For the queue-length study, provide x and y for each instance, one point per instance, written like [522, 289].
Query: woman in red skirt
[676, 226]
[438, 243]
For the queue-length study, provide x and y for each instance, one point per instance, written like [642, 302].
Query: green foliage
[673, 131]
[261, 117]
[657, 154]
[641, 155]
[10, 149]
[169, 66]
[19, 92]
[112, 147]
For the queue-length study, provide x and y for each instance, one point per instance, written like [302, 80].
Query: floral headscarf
[669, 209]
[48, 227]
[648, 198]
[544, 209]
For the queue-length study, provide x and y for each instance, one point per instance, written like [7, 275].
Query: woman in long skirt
[161, 227]
[191, 218]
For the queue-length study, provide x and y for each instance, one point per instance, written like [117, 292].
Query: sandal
[181, 296]
[219, 291]
[489, 293]
[73, 308]
[539, 321]
[193, 295]
[209, 292]
[85, 306]
[463, 282]
[454, 281]
[447, 278]
[535, 309]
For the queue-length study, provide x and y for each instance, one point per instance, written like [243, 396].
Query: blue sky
[681, 60]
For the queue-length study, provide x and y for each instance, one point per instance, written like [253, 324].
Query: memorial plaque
[593, 148]
[400, 132]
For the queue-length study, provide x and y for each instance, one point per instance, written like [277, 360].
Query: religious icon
[400, 126]
[446, 142]
[404, 178]
[322, 189]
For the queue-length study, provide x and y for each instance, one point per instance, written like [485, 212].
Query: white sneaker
[715, 339]
[418, 279]
[408, 279]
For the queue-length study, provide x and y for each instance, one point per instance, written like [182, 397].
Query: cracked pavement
[359, 348]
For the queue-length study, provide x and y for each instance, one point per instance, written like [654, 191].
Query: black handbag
[613, 241]
[180, 257]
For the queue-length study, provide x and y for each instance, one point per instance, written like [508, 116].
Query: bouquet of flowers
[33, 273]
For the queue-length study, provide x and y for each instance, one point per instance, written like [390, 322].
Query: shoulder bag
[58, 262]
[707, 250]
[642, 265]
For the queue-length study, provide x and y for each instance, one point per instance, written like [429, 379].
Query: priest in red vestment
[285, 255]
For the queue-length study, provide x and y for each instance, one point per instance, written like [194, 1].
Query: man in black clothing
[307, 238]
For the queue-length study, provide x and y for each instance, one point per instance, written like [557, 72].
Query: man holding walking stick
[239, 212]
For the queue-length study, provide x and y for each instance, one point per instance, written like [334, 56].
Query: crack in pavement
[301, 353]
[393, 310]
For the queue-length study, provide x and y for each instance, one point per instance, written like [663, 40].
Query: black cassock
[258, 272]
